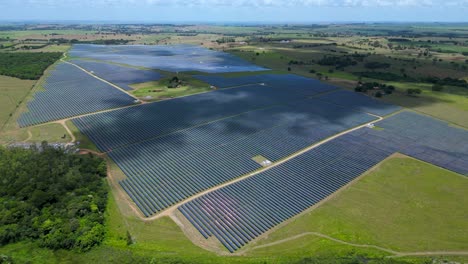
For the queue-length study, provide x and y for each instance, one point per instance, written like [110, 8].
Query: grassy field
[52, 133]
[451, 104]
[12, 92]
[404, 205]
[158, 90]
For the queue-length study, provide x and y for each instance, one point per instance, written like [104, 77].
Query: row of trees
[53, 197]
[26, 65]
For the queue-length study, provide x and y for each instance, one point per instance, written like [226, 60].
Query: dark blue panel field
[359, 102]
[285, 81]
[239, 212]
[421, 137]
[174, 58]
[118, 75]
[168, 169]
[117, 128]
[69, 92]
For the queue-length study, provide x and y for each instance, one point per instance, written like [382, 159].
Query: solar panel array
[174, 58]
[360, 102]
[69, 92]
[118, 75]
[163, 171]
[112, 129]
[421, 137]
[276, 80]
[239, 212]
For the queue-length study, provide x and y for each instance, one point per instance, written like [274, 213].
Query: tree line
[52, 197]
[26, 65]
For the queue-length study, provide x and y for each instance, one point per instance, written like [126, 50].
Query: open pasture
[12, 92]
[173, 58]
[118, 75]
[240, 212]
[68, 91]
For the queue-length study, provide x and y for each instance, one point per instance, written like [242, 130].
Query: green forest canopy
[26, 65]
[52, 197]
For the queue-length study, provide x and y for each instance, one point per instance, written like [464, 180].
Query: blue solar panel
[118, 75]
[165, 170]
[360, 102]
[287, 81]
[112, 129]
[69, 91]
[174, 58]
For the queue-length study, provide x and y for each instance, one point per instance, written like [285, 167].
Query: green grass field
[12, 92]
[404, 205]
[158, 90]
[451, 104]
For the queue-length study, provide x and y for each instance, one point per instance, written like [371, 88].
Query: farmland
[262, 144]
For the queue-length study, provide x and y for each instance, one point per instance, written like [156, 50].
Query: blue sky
[236, 11]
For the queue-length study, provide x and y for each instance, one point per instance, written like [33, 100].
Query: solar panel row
[118, 75]
[68, 91]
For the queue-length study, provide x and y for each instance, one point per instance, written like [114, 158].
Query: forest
[26, 65]
[52, 197]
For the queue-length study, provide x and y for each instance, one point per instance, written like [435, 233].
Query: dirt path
[64, 124]
[102, 80]
[393, 252]
[30, 135]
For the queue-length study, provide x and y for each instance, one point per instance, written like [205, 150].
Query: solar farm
[240, 160]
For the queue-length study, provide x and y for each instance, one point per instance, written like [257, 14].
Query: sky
[221, 11]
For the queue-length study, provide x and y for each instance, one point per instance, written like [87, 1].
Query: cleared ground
[404, 205]
[12, 93]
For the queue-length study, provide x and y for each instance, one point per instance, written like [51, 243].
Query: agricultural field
[252, 144]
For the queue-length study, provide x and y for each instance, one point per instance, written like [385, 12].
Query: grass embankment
[85, 142]
[158, 90]
[404, 205]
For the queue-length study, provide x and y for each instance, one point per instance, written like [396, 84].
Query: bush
[437, 87]
[410, 91]
[376, 65]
